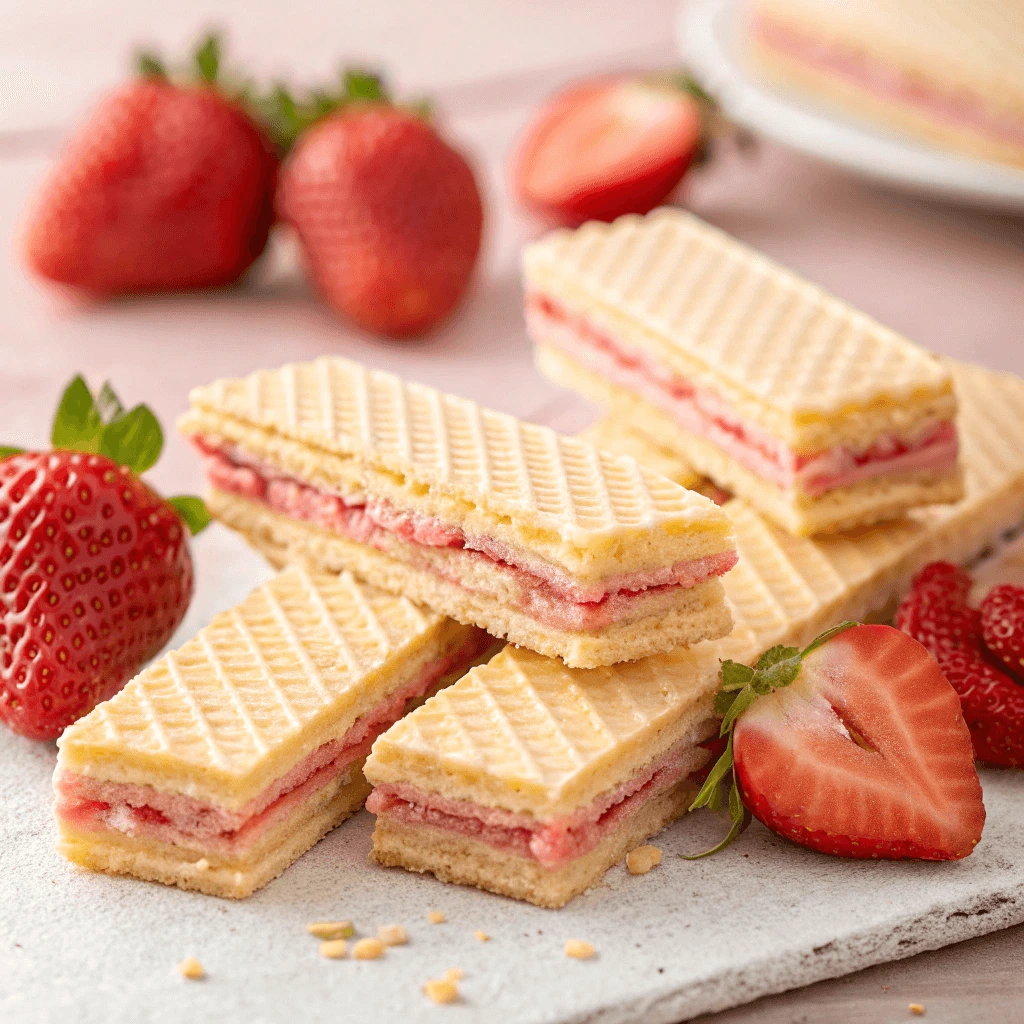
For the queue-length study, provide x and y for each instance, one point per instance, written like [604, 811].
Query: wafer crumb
[453, 974]
[578, 949]
[917, 1009]
[331, 929]
[642, 859]
[192, 969]
[481, 936]
[441, 991]
[334, 949]
[392, 935]
[368, 949]
[436, 917]
[202, 864]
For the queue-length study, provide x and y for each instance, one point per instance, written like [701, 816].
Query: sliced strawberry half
[866, 754]
[605, 148]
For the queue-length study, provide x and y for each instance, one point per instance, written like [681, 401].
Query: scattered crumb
[334, 949]
[202, 864]
[368, 949]
[436, 917]
[392, 935]
[579, 950]
[885, 988]
[192, 969]
[642, 859]
[331, 929]
[481, 936]
[443, 991]
[453, 974]
[916, 1009]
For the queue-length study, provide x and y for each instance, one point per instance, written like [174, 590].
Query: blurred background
[947, 275]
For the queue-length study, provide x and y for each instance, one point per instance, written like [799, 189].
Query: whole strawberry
[388, 215]
[936, 613]
[168, 185]
[1002, 625]
[95, 570]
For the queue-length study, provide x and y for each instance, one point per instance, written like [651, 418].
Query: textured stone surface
[685, 938]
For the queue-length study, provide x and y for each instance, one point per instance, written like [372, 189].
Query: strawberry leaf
[149, 65]
[740, 687]
[192, 510]
[133, 439]
[78, 424]
[108, 405]
[7, 450]
[207, 58]
[365, 85]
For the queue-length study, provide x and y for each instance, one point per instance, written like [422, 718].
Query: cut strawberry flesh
[865, 755]
[607, 148]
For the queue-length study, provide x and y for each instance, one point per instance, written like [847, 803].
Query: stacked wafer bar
[227, 759]
[818, 416]
[530, 779]
[943, 70]
[545, 540]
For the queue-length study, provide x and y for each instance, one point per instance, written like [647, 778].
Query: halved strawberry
[855, 747]
[607, 147]
[1002, 625]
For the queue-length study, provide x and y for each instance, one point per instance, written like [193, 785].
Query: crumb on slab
[334, 949]
[642, 859]
[579, 950]
[192, 969]
[443, 990]
[392, 935]
[368, 949]
[481, 936]
[453, 974]
[917, 1009]
[436, 917]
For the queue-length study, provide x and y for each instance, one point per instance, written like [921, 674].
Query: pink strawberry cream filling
[962, 109]
[707, 415]
[94, 805]
[544, 591]
[551, 842]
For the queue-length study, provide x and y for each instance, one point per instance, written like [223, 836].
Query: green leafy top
[204, 66]
[285, 115]
[740, 686]
[99, 424]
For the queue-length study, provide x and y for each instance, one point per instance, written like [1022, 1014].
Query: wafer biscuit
[546, 540]
[523, 743]
[940, 70]
[224, 761]
[817, 415]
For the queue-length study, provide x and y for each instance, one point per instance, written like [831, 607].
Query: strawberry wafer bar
[548, 541]
[819, 417]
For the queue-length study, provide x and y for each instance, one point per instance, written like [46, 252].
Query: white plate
[708, 34]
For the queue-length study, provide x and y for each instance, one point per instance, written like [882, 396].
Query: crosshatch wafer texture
[783, 352]
[267, 682]
[528, 734]
[410, 438]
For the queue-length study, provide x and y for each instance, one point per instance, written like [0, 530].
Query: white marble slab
[687, 938]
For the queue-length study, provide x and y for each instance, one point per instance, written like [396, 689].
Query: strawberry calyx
[286, 114]
[100, 425]
[739, 687]
[204, 65]
[714, 125]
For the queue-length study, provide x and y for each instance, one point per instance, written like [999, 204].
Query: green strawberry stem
[741, 685]
[100, 425]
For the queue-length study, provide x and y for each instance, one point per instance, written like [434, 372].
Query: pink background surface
[949, 278]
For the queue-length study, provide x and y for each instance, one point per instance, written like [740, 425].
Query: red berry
[604, 148]
[866, 754]
[164, 187]
[936, 613]
[1002, 625]
[388, 214]
[95, 575]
